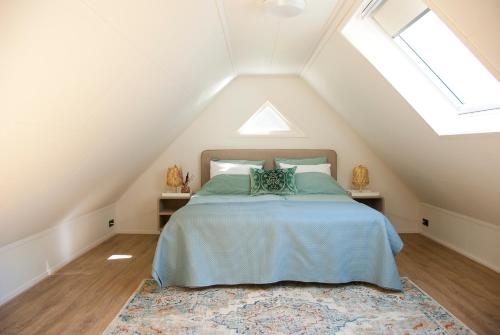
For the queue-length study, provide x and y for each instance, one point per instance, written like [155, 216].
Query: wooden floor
[84, 296]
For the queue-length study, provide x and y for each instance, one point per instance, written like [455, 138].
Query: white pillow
[323, 168]
[217, 168]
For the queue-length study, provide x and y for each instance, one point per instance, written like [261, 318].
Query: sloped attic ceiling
[89, 96]
[91, 91]
[458, 173]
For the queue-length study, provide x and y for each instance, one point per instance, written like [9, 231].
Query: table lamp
[360, 177]
[174, 177]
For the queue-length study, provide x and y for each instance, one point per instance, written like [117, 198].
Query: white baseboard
[473, 238]
[463, 252]
[139, 231]
[402, 224]
[145, 223]
[25, 263]
[51, 270]
[79, 253]
[29, 284]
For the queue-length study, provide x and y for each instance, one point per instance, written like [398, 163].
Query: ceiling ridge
[342, 10]
[219, 4]
[275, 45]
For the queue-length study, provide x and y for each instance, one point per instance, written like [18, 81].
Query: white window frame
[293, 131]
[412, 83]
[436, 80]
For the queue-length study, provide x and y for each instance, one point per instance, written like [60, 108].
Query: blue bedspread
[242, 239]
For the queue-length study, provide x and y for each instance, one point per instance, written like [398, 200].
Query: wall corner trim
[463, 217]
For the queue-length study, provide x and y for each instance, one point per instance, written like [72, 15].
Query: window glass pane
[452, 62]
[266, 121]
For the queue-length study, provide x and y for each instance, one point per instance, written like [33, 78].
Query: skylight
[430, 67]
[450, 64]
[267, 121]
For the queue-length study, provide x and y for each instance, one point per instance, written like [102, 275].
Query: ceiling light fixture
[284, 8]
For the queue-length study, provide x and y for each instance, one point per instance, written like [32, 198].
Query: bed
[242, 239]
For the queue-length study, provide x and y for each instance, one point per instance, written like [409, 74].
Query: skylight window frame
[413, 85]
[410, 52]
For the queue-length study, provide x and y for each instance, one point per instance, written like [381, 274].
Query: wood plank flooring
[467, 289]
[84, 296]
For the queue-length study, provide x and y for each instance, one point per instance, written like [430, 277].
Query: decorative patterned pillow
[277, 181]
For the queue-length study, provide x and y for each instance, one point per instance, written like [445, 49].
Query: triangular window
[268, 121]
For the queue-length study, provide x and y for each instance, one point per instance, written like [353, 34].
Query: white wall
[473, 238]
[216, 128]
[459, 173]
[27, 261]
[91, 95]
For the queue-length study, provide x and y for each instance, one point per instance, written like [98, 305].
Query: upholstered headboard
[263, 154]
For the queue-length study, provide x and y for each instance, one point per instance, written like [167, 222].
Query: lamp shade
[174, 176]
[360, 177]
[284, 8]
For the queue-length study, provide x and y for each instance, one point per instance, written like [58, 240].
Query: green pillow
[317, 183]
[277, 181]
[227, 184]
[239, 161]
[300, 161]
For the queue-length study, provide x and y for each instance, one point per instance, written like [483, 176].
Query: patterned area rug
[284, 309]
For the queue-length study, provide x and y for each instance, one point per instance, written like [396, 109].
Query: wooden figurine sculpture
[185, 184]
[360, 177]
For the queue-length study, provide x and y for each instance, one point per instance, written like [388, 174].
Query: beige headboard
[263, 154]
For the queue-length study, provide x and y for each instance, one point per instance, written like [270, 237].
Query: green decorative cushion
[277, 181]
[317, 183]
[300, 161]
[226, 184]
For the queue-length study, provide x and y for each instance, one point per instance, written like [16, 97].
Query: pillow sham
[226, 184]
[317, 183]
[240, 161]
[322, 168]
[221, 167]
[300, 161]
[277, 181]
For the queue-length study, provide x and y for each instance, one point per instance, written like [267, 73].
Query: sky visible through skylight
[434, 71]
[453, 64]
